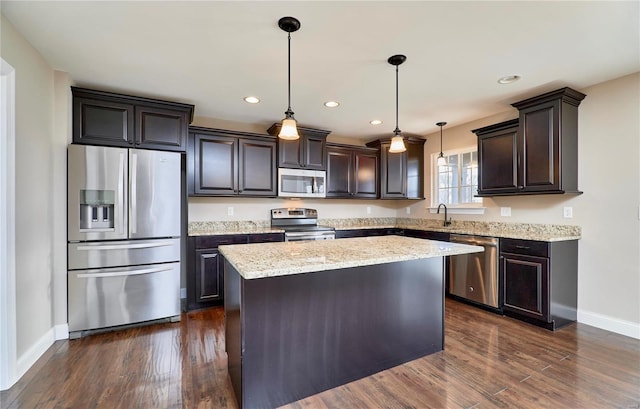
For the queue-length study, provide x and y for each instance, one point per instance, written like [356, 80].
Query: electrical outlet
[567, 212]
[408, 210]
[230, 211]
[368, 209]
[505, 211]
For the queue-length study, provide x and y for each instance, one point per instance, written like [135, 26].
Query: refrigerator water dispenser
[97, 210]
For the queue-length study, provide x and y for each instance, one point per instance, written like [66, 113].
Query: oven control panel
[294, 213]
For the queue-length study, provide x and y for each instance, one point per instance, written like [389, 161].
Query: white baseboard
[30, 357]
[61, 332]
[628, 328]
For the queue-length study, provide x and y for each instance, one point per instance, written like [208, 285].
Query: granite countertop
[526, 231]
[262, 260]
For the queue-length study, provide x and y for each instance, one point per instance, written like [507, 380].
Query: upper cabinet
[497, 158]
[110, 119]
[540, 156]
[352, 172]
[401, 174]
[307, 152]
[229, 163]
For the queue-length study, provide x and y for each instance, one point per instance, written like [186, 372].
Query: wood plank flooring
[489, 361]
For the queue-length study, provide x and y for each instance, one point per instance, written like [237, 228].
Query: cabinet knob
[520, 187]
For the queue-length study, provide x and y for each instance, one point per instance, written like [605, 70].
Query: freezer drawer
[100, 298]
[122, 253]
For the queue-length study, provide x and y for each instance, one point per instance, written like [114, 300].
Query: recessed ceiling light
[508, 79]
[375, 122]
[252, 99]
[331, 104]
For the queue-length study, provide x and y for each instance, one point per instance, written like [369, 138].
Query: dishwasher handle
[474, 240]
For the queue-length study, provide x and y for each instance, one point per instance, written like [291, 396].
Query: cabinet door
[339, 172]
[540, 145]
[498, 162]
[394, 174]
[314, 153]
[216, 166]
[289, 153]
[257, 170]
[98, 122]
[158, 128]
[526, 285]
[365, 175]
[209, 276]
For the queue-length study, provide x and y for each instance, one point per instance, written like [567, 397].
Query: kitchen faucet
[446, 222]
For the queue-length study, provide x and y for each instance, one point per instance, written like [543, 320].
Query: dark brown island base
[304, 317]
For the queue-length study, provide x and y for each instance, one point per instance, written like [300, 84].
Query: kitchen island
[303, 317]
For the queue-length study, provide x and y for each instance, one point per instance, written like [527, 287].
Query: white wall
[609, 176]
[35, 183]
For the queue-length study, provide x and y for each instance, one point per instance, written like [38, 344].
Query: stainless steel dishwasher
[474, 277]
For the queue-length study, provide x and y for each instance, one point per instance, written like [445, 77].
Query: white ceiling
[213, 53]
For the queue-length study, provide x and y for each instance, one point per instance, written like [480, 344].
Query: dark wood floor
[489, 362]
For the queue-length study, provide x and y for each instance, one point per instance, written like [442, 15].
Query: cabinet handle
[523, 247]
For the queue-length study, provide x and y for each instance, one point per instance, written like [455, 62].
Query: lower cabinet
[205, 267]
[540, 281]
[429, 235]
[391, 231]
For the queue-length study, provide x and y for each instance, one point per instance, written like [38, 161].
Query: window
[456, 183]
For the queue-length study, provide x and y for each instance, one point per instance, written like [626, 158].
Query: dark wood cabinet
[161, 128]
[307, 152]
[352, 172]
[209, 278]
[381, 231]
[229, 163]
[526, 285]
[498, 158]
[401, 174]
[205, 265]
[427, 234]
[539, 281]
[540, 156]
[110, 119]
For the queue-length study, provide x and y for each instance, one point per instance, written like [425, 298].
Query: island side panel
[233, 340]
[306, 333]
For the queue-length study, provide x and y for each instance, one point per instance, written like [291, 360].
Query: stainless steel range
[300, 224]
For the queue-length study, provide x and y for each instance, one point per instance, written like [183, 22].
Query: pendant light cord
[396, 131]
[289, 70]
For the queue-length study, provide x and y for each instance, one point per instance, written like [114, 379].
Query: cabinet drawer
[212, 242]
[528, 247]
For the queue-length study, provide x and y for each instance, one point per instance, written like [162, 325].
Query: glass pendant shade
[397, 145]
[289, 130]
[441, 160]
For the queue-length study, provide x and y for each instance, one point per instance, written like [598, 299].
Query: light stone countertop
[262, 260]
[525, 231]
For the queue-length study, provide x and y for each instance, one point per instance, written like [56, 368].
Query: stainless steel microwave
[301, 182]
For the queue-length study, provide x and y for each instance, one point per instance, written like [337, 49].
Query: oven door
[310, 235]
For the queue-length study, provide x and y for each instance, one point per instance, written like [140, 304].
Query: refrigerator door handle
[124, 246]
[121, 200]
[125, 273]
[133, 217]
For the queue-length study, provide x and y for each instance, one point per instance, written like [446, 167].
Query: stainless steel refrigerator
[123, 236]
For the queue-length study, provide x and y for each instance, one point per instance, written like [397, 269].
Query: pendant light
[289, 130]
[397, 142]
[441, 160]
